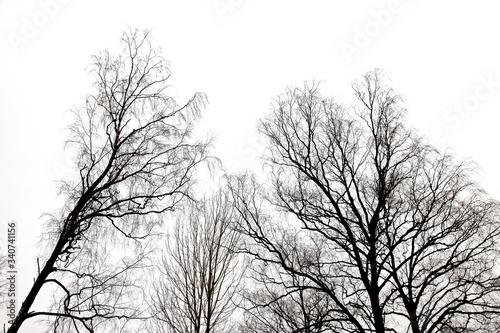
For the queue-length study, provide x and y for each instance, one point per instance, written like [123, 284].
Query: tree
[135, 159]
[199, 276]
[407, 238]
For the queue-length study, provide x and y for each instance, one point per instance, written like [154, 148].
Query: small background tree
[197, 288]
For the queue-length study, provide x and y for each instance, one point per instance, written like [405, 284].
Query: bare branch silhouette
[199, 278]
[407, 237]
[135, 160]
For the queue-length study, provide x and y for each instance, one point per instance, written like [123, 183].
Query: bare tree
[199, 273]
[135, 160]
[408, 236]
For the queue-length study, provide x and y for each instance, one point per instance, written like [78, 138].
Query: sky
[441, 56]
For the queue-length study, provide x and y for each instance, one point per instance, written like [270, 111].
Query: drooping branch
[135, 158]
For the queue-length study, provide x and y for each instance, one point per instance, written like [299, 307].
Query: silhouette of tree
[400, 237]
[135, 159]
[199, 276]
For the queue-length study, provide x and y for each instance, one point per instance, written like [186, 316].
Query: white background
[241, 53]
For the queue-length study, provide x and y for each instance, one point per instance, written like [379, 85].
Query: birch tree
[135, 160]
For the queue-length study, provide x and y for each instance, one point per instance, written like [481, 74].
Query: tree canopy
[396, 234]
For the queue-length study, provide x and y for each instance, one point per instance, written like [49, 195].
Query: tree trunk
[23, 313]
